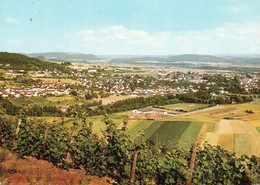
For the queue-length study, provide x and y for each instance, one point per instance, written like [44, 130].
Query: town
[93, 80]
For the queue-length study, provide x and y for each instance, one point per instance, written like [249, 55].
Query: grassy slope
[190, 134]
[153, 128]
[168, 131]
[138, 127]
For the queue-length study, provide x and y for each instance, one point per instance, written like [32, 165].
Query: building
[148, 111]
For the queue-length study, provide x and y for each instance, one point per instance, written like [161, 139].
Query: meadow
[167, 133]
[138, 127]
[185, 107]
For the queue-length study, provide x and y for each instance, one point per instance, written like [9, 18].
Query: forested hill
[186, 58]
[63, 56]
[21, 62]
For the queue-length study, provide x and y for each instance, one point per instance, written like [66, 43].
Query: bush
[3, 155]
[250, 112]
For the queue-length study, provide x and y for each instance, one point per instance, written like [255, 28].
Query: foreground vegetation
[111, 154]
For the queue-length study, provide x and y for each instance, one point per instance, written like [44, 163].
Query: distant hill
[63, 56]
[253, 61]
[184, 59]
[196, 58]
[137, 60]
[17, 61]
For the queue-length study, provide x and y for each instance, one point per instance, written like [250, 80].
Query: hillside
[63, 56]
[17, 61]
[183, 59]
[34, 171]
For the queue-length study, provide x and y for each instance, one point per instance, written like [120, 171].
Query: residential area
[90, 81]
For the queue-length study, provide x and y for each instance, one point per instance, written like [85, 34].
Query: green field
[20, 101]
[31, 100]
[241, 144]
[258, 129]
[167, 132]
[190, 134]
[99, 122]
[185, 106]
[38, 100]
[138, 127]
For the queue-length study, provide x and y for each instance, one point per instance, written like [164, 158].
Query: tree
[74, 93]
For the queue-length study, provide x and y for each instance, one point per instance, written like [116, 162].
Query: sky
[131, 27]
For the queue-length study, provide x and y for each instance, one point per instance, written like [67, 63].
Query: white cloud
[236, 9]
[85, 32]
[229, 38]
[12, 20]
[92, 38]
[239, 8]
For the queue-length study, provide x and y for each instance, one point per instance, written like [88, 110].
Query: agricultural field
[225, 124]
[234, 135]
[64, 101]
[54, 99]
[113, 98]
[167, 133]
[99, 122]
[49, 101]
[38, 100]
[241, 144]
[55, 80]
[234, 111]
[20, 101]
[138, 127]
[185, 107]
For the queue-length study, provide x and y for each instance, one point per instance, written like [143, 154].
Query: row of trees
[191, 97]
[26, 80]
[133, 103]
[203, 97]
[35, 110]
[90, 96]
[111, 154]
[127, 104]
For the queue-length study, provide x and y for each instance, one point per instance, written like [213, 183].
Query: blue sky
[149, 27]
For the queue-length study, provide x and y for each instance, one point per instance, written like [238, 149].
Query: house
[92, 70]
[4, 95]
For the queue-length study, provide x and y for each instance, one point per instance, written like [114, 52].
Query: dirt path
[225, 134]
